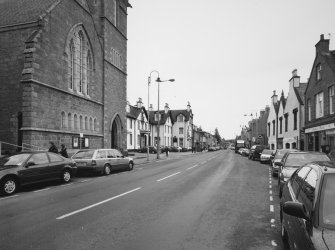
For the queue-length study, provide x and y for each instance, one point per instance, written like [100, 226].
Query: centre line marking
[96, 204]
[192, 167]
[271, 208]
[169, 176]
[271, 198]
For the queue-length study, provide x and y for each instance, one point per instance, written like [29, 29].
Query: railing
[24, 146]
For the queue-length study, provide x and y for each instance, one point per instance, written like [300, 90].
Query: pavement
[142, 158]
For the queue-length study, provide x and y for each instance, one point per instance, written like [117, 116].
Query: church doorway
[116, 133]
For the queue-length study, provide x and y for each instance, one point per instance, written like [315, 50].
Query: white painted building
[294, 114]
[272, 121]
[137, 126]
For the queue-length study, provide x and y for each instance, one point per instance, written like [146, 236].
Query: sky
[226, 56]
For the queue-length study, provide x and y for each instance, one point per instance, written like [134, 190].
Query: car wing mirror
[296, 209]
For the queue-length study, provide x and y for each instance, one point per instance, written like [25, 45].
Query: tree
[217, 136]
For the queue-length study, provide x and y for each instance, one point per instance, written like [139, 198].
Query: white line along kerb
[96, 204]
[169, 176]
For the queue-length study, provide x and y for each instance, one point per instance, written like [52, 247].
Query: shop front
[321, 138]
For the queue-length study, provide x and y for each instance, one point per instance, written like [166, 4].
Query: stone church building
[63, 73]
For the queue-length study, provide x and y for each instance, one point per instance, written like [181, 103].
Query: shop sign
[320, 128]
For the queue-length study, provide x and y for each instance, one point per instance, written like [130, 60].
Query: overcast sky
[227, 56]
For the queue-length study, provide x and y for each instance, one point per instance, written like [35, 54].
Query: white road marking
[271, 198]
[169, 176]
[271, 208]
[9, 197]
[84, 181]
[41, 190]
[203, 162]
[270, 186]
[192, 167]
[96, 204]
[270, 192]
[272, 221]
[274, 243]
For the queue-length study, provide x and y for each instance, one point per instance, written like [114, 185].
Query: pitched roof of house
[184, 112]
[330, 59]
[164, 117]
[300, 91]
[134, 112]
[22, 11]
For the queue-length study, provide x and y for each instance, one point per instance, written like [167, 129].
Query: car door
[300, 230]
[56, 165]
[101, 158]
[36, 168]
[121, 160]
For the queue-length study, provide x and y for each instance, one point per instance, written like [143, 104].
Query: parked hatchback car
[265, 156]
[278, 156]
[307, 210]
[32, 167]
[102, 161]
[293, 160]
[256, 150]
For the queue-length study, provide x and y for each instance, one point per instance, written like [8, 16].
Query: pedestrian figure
[63, 151]
[53, 148]
[167, 151]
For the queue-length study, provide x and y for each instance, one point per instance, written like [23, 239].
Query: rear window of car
[87, 154]
[297, 160]
[280, 154]
[327, 202]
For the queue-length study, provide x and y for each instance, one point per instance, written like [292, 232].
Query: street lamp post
[149, 81]
[159, 117]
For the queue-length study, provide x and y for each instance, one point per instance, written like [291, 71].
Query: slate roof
[22, 11]
[164, 117]
[300, 92]
[184, 112]
[134, 112]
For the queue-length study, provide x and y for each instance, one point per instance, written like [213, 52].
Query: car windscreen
[87, 154]
[327, 202]
[13, 160]
[297, 160]
[280, 154]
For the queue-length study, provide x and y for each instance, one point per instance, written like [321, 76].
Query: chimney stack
[166, 108]
[274, 97]
[295, 80]
[322, 45]
[139, 102]
[188, 106]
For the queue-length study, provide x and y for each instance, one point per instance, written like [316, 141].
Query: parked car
[256, 150]
[307, 210]
[32, 167]
[278, 155]
[102, 161]
[152, 150]
[240, 151]
[245, 152]
[332, 155]
[265, 156]
[293, 160]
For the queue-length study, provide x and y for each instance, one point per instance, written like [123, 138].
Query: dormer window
[180, 118]
[318, 72]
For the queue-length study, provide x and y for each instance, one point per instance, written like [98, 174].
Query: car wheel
[66, 177]
[107, 170]
[9, 186]
[130, 166]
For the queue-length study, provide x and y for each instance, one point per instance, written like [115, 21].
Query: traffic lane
[197, 210]
[35, 210]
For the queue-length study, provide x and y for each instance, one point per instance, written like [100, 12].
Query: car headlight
[285, 179]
